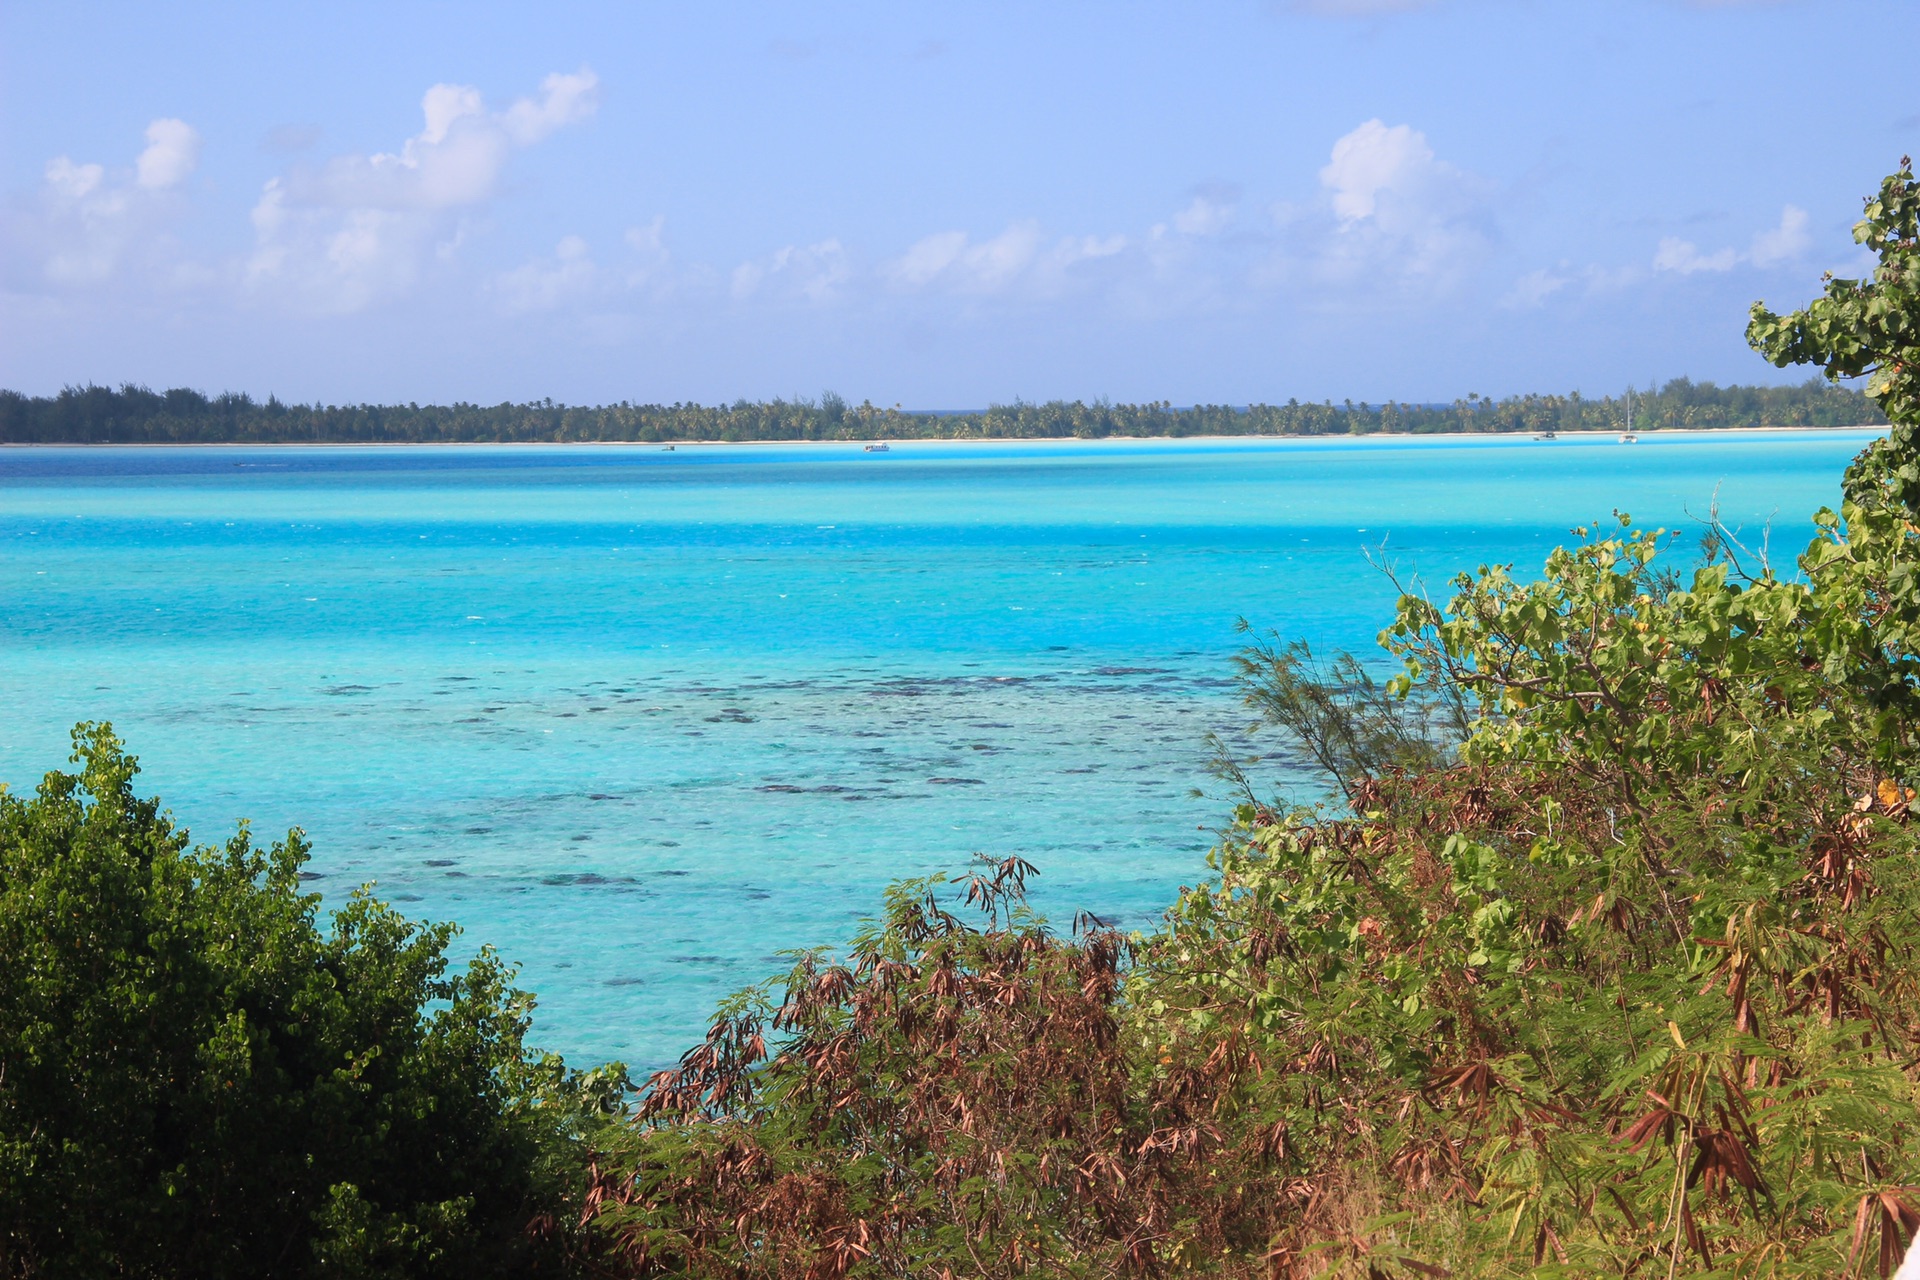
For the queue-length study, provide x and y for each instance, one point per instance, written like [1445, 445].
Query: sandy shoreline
[909, 441]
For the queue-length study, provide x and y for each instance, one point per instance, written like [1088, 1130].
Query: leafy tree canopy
[1869, 327]
[198, 1079]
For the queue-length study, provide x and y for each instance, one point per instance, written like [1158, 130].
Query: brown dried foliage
[948, 1089]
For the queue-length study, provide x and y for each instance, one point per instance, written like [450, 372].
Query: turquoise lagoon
[643, 718]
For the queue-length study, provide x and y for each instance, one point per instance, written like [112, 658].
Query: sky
[936, 205]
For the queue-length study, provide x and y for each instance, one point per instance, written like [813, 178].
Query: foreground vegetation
[1606, 963]
[196, 1079]
[133, 414]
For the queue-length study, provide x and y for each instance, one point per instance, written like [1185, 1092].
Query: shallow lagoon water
[642, 719]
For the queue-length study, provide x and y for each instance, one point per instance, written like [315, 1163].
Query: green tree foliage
[1869, 327]
[1606, 964]
[133, 414]
[197, 1080]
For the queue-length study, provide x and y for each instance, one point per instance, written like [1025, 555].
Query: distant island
[137, 415]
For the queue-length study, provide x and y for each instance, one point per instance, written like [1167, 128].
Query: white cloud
[1086, 248]
[570, 275]
[653, 263]
[927, 258]
[362, 227]
[563, 100]
[814, 273]
[544, 283]
[1533, 289]
[1777, 246]
[954, 260]
[992, 265]
[92, 224]
[1684, 257]
[1380, 220]
[650, 239]
[1071, 263]
[1393, 219]
[1403, 218]
[1782, 244]
[70, 183]
[173, 151]
[1371, 160]
[1014, 260]
[1205, 216]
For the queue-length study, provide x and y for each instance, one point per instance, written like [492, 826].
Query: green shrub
[198, 1079]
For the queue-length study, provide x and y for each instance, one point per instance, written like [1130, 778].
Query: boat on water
[1544, 435]
[878, 448]
[1627, 437]
[667, 449]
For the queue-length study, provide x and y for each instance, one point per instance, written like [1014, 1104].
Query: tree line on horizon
[135, 414]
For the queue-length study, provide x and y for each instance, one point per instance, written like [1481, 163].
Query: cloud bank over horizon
[490, 234]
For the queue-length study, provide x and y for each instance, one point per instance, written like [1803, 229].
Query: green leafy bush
[197, 1079]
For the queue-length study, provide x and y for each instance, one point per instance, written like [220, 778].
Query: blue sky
[936, 205]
